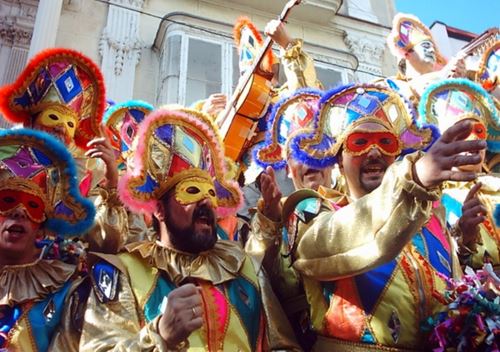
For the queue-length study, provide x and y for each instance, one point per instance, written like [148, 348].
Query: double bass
[249, 101]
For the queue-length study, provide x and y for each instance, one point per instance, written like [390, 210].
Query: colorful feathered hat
[345, 107]
[249, 43]
[407, 31]
[58, 82]
[488, 74]
[38, 171]
[122, 122]
[449, 101]
[177, 146]
[290, 114]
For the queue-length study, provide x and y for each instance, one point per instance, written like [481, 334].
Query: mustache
[204, 211]
[377, 161]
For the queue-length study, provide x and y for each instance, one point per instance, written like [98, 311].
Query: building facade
[180, 51]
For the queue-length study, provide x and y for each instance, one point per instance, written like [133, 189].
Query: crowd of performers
[121, 225]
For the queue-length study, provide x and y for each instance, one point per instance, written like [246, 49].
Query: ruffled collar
[217, 265]
[32, 282]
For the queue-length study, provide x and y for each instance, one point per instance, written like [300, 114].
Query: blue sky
[471, 15]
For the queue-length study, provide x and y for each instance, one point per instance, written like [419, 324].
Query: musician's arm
[299, 67]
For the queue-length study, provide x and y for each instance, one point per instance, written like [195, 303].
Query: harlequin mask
[38, 173]
[179, 149]
[194, 189]
[342, 109]
[59, 82]
[407, 31]
[449, 101]
[360, 142]
[29, 197]
[58, 115]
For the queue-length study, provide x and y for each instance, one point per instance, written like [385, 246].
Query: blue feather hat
[289, 115]
[34, 162]
[448, 101]
[343, 108]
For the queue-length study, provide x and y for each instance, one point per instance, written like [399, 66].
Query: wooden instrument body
[250, 107]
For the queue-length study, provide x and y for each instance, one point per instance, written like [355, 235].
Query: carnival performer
[122, 123]
[290, 115]
[189, 289]
[40, 299]
[470, 206]
[419, 59]
[62, 92]
[371, 264]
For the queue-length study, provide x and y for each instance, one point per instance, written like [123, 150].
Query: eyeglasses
[360, 142]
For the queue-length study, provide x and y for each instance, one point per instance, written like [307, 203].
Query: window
[195, 65]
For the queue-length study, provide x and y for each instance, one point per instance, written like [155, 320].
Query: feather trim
[59, 150]
[127, 105]
[41, 59]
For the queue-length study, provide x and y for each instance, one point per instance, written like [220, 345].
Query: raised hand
[276, 30]
[214, 104]
[271, 195]
[446, 154]
[473, 213]
[182, 316]
[100, 147]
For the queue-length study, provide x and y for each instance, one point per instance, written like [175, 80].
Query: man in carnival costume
[189, 288]
[369, 267]
[40, 299]
[62, 92]
[291, 114]
[470, 206]
[122, 123]
[419, 59]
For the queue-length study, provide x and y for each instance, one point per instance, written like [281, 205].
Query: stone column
[46, 24]
[120, 47]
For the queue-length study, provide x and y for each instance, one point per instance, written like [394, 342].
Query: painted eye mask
[53, 117]
[12, 199]
[360, 142]
[193, 190]
[478, 131]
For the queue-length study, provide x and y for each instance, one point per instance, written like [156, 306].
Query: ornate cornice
[369, 51]
[12, 35]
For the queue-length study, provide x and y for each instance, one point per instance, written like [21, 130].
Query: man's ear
[159, 213]
[340, 162]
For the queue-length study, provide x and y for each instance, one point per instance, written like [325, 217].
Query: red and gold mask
[360, 142]
[12, 199]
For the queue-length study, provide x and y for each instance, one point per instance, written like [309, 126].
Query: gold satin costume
[337, 264]
[147, 271]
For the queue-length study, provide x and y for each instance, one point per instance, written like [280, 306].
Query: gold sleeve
[138, 230]
[280, 334]
[116, 326]
[369, 232]
[110, 230]
[299, 67]
[263, 239]
[266, 247]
